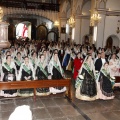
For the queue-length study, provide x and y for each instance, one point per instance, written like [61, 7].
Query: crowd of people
[94, 70]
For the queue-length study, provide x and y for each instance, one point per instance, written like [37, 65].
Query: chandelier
[1, 13]
[56, 23]
[71, 21]
[96, 17]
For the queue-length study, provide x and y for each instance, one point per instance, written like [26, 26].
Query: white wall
[77, 31]
[86, 8]
[110, 27]
[100, 32]
[85, 23]
[84, 28]
[113, 4]
[63, 24]
[116, 41]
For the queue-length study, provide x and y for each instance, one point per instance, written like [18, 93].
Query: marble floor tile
[79, 117]
[110, 116]
[8, 107]
[96, 116]
[36, 104]
[61, 101]
[69, 110]
[55, 112]
[5, 115]
[40, 113]
[48, 102]
[61, 118]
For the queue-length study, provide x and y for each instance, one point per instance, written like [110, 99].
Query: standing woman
[85, 82]
[26, 73]
[105, 84]
[56, 72]
[42, 74]
[9, 74]
[77, 65]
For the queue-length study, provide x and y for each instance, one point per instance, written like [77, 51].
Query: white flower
[81, 77]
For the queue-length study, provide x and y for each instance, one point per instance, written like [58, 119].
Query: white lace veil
[91, 65]
[51, 64]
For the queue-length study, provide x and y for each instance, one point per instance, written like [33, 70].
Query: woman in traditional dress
[66, 58]
[86, 82]
[77, 65]
[34, 60]
[18, 61]
[47, 56]
[42, 74]
[69, 67]
[9, 74]
[23, 52]
[26, 73]
[105, 84]
[56, 72]
[84, 52]
[114, 66]
[4, 57]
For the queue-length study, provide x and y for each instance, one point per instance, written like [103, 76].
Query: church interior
[66, 29]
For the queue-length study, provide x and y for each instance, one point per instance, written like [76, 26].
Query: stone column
[92, 23]
[77, 29]
[4, 43]
[62, 28]
[100, 31]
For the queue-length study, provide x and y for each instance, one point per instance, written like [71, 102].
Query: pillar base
[4, 45]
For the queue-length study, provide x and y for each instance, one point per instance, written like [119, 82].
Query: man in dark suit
[100, 61]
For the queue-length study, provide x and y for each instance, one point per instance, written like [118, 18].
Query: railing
[30, 5]
[37, 84]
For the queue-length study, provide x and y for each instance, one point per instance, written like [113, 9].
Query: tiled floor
[57, 107]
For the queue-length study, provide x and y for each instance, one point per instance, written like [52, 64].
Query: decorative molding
[109, 12]
[84, 16]
[51, 15]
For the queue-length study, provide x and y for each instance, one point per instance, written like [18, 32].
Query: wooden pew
[117, 81]
[37, 84]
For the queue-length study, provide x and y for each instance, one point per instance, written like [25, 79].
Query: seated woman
[77, 65]
[26, 73]
[105, 84]
[66, 58]
[56, 72]
[114, 65]
[42, 74]
[86, 83]
[18, 61]
[34, 60]
[9, 74]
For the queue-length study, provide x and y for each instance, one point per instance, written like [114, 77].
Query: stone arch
[102, 4]
[17, 11]
[85, 39]
[86, 7]
[41, 32]
[112, 40]
[54, 36]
